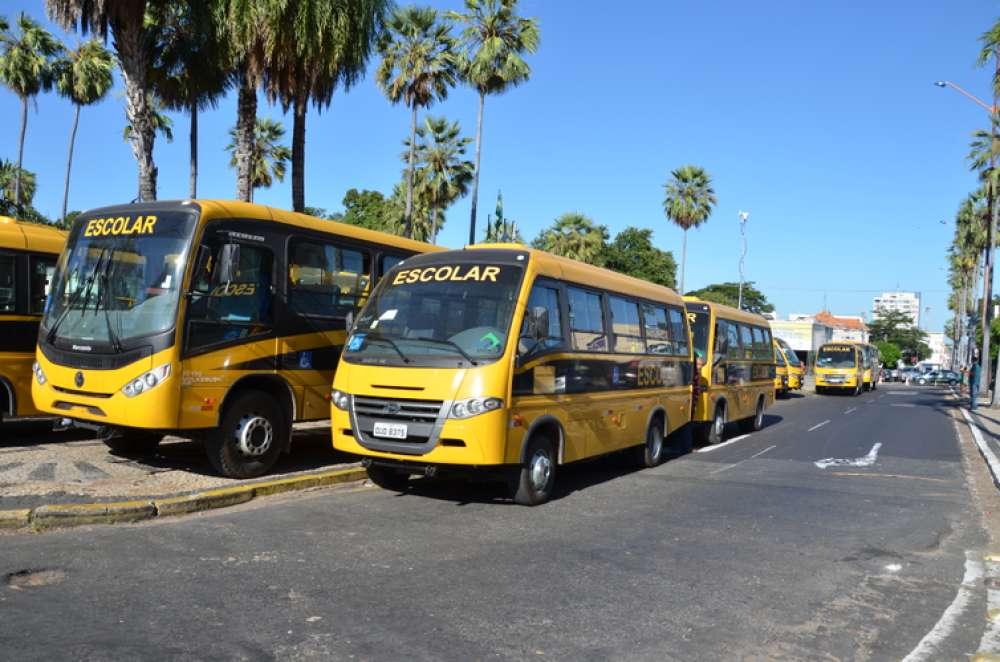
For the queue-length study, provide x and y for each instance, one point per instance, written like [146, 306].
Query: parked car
[908, 374]
[890, 375]
[949, 377]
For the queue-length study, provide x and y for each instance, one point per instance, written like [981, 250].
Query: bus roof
[730, 313]
[19, 235]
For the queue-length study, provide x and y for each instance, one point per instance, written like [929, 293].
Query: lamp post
[744, 216]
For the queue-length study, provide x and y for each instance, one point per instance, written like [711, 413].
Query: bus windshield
[437, 315]
[836, 357]
[699, 333]
[119, 277]
[790, 355]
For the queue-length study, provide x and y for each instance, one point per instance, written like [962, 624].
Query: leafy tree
[11, 205]
[632, 252]
[125, 19]
[26, 69]
[575, 236]
[898, 328]
[84, 77]
[688, 202]
[268, 158]
[889, 352]
[493, 42]
[442, 174]
[420, 223]
[367, 209]
[754, 300]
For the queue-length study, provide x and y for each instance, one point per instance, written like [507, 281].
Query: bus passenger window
[388, 262]
[761, 348]
[547, 298]
[8, 296]
[325, 280]
[42, 270]
[746, 337]
[625, 326]
[657, 329]
[586, 321]
[678, 331]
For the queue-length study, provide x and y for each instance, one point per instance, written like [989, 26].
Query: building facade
[804, 336]
[845, 328]
[902, 302]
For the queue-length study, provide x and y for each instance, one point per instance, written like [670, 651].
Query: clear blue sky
[819, 118]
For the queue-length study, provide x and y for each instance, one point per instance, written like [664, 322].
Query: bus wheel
[650, 454]
[717, 430]
[757, 422]
[388, 479]
[820, 390]
[537, 474]
[130, 443]
[253, 433]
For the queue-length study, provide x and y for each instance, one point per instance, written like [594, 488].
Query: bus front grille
[423, 420]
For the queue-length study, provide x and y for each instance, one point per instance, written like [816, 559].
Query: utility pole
[744, 216]
[990, 240]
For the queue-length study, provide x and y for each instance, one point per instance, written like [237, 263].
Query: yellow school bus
[796, 369]
[28, 253]
[840, 367]
[736, 368]
[505, 361]
[781, 376]
[218, 319]
[871, 361]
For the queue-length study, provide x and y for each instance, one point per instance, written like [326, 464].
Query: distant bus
[28, 253]
[840, 367]
[796, 369]
[736, 368]
[220, 320]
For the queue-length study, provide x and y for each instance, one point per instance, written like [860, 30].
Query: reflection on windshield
[110, 286]
[699, 332]
[437, 315]
[836, 358]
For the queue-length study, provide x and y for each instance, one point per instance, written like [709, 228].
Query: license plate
[389, 430]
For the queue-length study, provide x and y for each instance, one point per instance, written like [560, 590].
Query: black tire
[755, 422]
[820, 390]
[716, 430]
[537, 475]
[131, 443]
[254, 432]
[388, 479]
[650, 454]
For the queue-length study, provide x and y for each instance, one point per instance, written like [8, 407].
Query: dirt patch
[23, 579]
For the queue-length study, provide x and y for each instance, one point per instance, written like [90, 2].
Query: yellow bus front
[782, 383]
[839, 367]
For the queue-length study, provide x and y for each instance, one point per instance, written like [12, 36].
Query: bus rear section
[839, 368]
[506, 362]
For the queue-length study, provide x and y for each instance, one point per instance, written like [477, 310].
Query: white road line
[927, 648]
[865, 461]
[762, 452]
[850, 410]
[726, 468]
[902, 404]
[725, 443]
[984, 448]
[818, 425]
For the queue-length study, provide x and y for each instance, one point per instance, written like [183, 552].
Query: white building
[902, 302]
[804, 336]
[940, 350]
[847, 328]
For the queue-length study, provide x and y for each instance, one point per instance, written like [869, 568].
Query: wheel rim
[655, 444]
[540, 470]
[254, 435]
[759, 417]
[718, 425]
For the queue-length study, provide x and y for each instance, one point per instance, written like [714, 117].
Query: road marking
[984, 448]
[818, 425]
[902, 404]
[725, 443]
[899, 392]
[725, 468]
[871, 475]
[928, 646]
[850, 410]
[865, 461]
[762, 452]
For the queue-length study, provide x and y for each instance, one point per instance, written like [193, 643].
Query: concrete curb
[64, 515]
[992, 462]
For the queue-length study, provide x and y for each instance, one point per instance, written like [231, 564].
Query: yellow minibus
[736, 368]
[871, 361]
[781, 376]
[28, 253]
[839, 367]
[220, 320]
[506, 361]
[796, 369]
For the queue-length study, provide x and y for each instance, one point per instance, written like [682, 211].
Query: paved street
[748, 550]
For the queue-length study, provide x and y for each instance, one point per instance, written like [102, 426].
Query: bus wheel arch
[549, 426]
[272, 385]
[716, 429]
[8, 399]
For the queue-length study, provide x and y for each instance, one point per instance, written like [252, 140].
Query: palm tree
[420, 223]
[418, 66]
[494, 42]
[83, 77]
[12, 200]
[575, 236]
[442, 174]
[268, 158]
[26, 70]
[318, 46]
[126, 21]
[688, 202]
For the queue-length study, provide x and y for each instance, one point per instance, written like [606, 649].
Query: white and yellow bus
[28, 253]
[219, 320]
[505, 361]
[736, 368]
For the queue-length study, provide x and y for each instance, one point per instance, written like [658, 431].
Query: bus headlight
[39, 375]
[146, 381]
[473, 407]
[340, 400]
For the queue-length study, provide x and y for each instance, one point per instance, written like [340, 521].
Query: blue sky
[820, 119]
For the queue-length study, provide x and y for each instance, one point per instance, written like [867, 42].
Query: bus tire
[537, 475]
[131, 443]
[388, 479]
[253, 433]
[650, 454]
[756, 422]
[717, 428]
[820, 390]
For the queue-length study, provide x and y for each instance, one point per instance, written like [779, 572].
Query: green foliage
[26, 58]
[493, 42]
[8, 172]
[754, 300]
[889, 352]
[366, 209]
[575, 236]
[84, 75]
[632, 252]
[500, 230]
[689, 197]
[898, 328]
[442, 174]
[418, 61]
[268, 158]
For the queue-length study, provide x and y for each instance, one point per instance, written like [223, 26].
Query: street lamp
[965, 93]
[744, 216]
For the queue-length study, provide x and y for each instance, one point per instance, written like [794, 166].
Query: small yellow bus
[840, 367]
[796, 369]
[28, 253]
[736, 368]
[781, 376]
[220, 320]
[871, 361]
[506, 361]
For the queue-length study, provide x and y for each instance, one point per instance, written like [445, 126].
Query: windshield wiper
[450, 343]
[391, 343]
[88, 283]
[105, 298]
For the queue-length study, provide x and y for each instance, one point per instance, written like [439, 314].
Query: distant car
[949, 377]
[907, 374]
[890, 375]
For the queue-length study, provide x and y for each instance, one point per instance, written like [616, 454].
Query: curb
[64, 515]
[992, 462]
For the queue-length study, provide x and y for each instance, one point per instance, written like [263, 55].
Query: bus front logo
[391, 408]
[78, 379]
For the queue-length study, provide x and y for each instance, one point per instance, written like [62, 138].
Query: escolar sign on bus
[102, 227]
[453, 273]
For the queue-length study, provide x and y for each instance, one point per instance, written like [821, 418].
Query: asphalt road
[744, 551]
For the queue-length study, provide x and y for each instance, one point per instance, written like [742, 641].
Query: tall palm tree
[12, 203]
[442, 173]
[319, 45]
[575, 236]
[84, 77]
[418, 66]
[688, 202]
[268, 158]
[125, 19]
[190, 71]
[26, 63]
[494, 41]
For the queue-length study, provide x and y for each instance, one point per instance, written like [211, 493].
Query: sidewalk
[985, 425]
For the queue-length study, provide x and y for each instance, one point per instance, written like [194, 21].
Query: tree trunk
[193, 165]
[408, 227]
[684, 252]
[246, 118]
[132, 56]
[20, 153]
[69, 158]
[475, 171]
[434, 225]
[299, 155]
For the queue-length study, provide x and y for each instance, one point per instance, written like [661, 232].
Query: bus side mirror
[349, 321]
[538, 323]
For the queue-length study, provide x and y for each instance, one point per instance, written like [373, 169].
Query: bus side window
[387, 263]
[586, 321]
[746, 337]
[43, 268]
[625, 326]
[679, 332]
[8, 292]
[326, 280]
[760, 347]
[547, 298]
[657, 329]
